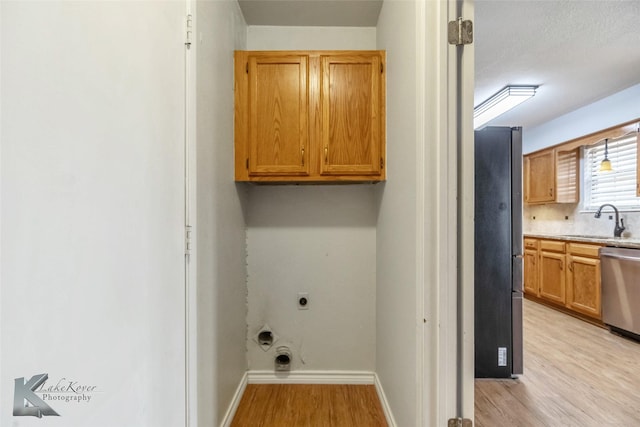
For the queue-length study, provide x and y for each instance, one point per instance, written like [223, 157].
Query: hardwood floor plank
[312, 405]
[575, 374]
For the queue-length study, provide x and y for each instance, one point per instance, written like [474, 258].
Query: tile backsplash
[568, 219]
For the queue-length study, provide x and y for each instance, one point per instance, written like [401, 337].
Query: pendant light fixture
[605, 166]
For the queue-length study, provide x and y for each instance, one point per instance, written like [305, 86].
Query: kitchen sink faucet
[619, 228]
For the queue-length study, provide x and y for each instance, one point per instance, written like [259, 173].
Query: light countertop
[620, 242]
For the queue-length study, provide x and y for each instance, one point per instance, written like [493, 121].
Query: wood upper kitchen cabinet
[540, 177]
[551, 176]
[530, 285]
[551, 279]
[310, 116]
[583, 279]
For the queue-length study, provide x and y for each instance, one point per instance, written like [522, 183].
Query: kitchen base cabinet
[552, 271]
[530, 283]
[565, 274]
[583, 284]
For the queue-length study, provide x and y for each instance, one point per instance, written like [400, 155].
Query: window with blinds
[567, 164]
[617, 186]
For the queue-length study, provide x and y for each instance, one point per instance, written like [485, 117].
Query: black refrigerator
[498, 252]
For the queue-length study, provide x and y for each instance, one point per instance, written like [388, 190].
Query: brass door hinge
[460, 32]
[459, 422]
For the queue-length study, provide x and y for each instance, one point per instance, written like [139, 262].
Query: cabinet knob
[326, 154]
[302, 156]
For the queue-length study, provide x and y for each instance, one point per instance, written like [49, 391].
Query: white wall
[315, 239]
[397, 221]
[263, 37]
[320, 240]
[92, 219]
[220, 225]
[611, 111]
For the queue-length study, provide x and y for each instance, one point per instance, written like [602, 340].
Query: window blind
[618, 186]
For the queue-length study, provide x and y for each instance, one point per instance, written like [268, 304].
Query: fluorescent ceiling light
[500, 103]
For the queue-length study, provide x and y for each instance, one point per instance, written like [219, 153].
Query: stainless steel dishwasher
[621, 290]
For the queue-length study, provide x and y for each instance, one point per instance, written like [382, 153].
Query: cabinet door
[541, 181]
[531, 272]
[278, 117]
[352, 103]
[583, 285]
[552, 277]
[526, 174]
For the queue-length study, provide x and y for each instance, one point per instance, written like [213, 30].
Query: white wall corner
[235, 402]
[386, 408]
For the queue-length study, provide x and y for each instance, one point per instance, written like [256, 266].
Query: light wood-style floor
[575, 374]
[306, 405]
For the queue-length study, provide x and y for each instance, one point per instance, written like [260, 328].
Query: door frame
[446, 284]
[190, 262]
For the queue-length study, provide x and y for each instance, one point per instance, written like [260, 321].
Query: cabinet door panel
[583, 287]
[531, 272]
[552, 277]
[351, 115]
[542, 175]
[278, 117]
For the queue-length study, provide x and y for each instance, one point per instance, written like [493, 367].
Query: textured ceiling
[578, 51]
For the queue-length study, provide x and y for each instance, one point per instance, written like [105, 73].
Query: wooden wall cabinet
[552, 176]
[310, 116]
[583, 279]
[540, 171]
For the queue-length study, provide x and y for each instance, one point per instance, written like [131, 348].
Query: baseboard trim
[235, 402]
[386, 408]
[311, 377]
